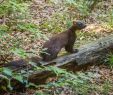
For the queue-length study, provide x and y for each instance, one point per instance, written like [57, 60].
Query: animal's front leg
[75, 50]
[69, 48]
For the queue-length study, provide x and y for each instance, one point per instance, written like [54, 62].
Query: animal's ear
[74, 22]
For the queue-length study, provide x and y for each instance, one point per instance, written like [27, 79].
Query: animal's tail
[23, 62]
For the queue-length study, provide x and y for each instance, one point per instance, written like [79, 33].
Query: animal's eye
[79, 24]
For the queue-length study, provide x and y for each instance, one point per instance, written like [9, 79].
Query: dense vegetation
[25, 25]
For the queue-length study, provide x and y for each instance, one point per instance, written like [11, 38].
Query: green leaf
[19, 78]
[7, 71]
[20, 52]
[69, 23]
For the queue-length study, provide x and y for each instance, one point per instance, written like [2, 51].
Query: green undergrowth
[16, 28]
[75, 83]
[79, 83]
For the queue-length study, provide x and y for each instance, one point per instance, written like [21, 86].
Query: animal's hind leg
[49, 57]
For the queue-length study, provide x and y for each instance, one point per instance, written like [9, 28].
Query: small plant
[79, 83]
[111, 18]
[84, 7]
[107, 87]
[110, 60]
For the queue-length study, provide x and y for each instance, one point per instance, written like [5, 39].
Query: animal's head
[79, 24]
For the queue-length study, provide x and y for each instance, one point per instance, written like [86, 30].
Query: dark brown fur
[54, 45]
[65, 39]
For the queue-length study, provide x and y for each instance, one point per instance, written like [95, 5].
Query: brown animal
[54, 45]
[65, 39]
[22, 63]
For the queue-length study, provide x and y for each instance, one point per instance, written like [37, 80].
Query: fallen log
[90, 53]
[95, 52]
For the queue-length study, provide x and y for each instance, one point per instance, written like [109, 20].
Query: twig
[1, 1]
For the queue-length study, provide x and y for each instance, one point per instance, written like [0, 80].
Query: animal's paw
[75, 50]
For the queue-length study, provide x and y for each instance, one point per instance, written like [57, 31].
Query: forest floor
[94, 30]
[51, 18]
